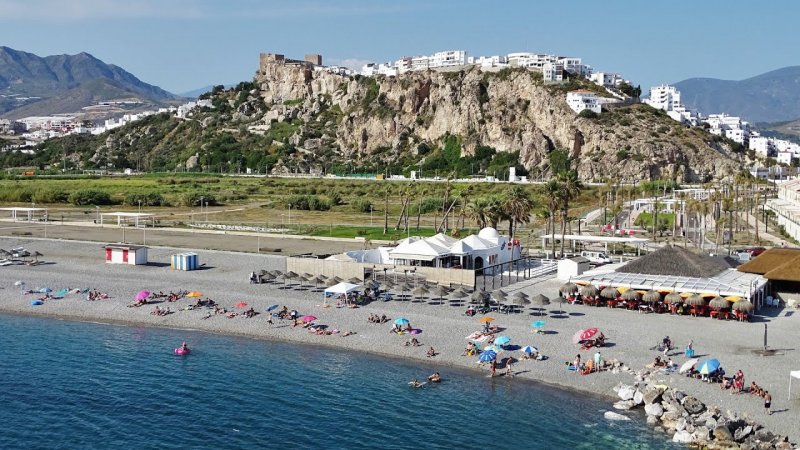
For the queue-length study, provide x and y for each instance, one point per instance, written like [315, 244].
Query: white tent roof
[342, 288]
[460, 248]
[442, 239]
[419, 250]
[478, 243]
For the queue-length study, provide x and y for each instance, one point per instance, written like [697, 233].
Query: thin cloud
[78, 10]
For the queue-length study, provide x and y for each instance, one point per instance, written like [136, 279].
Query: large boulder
[638, 397]
[693, 405]
[764, 435]
[626, 392]
[624, 405]
[680, 424]
[611, 415]
[654, 409]
[682, 437]
[701, 434]
[742, 433]
[723, 434]
[651, 395]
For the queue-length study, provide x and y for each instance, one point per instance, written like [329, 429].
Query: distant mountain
[65, 83]
[194, 93]
[770, 97]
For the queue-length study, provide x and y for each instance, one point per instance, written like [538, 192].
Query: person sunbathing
[431, 352]
[470, 350]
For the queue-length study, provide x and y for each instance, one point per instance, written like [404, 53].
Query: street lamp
[140, 206]
[290, 214]
[370, 214]
[206, 211]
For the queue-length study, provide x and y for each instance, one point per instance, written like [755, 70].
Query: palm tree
[477, 211]
[552, 192]
[571, 188]
[517, 206]
[495, 211]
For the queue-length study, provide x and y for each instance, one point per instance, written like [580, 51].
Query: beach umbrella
[331, 282]
[718, 303]
[487, 356]
[477, 297]
[743, 305]
[241, 305]
[440, 291]
[540, 300]
[528, 349]
[673, 297]
[651, 296]
[589, 290]
[308, 318]
[695, 300]
[708, 366]
[420, 291]
[318, 280]
[46, 290]
[19, 283]
[583, 335]
[688, 365]
[369, 284]
[499, 296]
[401, 321]
[502, 340]
[459, 293]
[142, 295]
[276, 273]
[271, 307]
[538, 325]
[631, 295]
[388, 284]
[194, 294]
[493, 348]
[290, 275]
[338, 279]
[609, 292]
[568, 288]
[486, 319]
[354, 280]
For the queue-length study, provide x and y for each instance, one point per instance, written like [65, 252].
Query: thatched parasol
[695, 300]
[520, 299]
[609, 292]
[403, 287]
[338, 280]
[477, 297]
[568, 288]
[673, 298]
[651, 296]
[744, 306]
[388, 284]
[631, 295]
[459, 293]
[290, 275]
[718, 303]
[317, 281]
[499, 295]
[354, 280]
[440, 292]
[420, 291]
[540, 300]
[331, 282]
[589, 290]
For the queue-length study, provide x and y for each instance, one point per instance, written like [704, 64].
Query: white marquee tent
[341, 289]
[793, 374]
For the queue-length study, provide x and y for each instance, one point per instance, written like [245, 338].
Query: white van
[596, 257]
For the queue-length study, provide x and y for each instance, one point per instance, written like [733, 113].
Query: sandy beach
[224, 278]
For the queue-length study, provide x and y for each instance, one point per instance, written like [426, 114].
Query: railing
[522, 269]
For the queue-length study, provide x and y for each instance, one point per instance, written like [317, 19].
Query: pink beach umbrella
[308, 318]
[241, 305]
[142, 295]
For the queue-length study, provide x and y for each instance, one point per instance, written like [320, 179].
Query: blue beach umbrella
[708, 366]
[45, 290]
[401, 321]
[502, 340]
[538, 325]
[528, 349]
[487, 356]
[493, 349]
[271, 307]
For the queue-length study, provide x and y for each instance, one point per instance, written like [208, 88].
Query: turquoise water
[76, 386]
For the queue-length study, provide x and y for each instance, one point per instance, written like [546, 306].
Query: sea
[72, 385]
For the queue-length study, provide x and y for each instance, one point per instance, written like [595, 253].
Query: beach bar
[184, 261]
[134, 255]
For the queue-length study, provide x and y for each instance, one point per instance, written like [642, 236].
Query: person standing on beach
[509, 369]
[768, 403]
[494, 367]
[577, 362]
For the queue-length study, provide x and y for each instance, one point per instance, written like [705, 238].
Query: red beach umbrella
[241, 305]
[583, 335]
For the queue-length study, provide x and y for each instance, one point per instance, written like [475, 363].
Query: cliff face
[511, 110]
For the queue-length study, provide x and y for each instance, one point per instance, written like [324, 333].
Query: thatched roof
[781, 264]
[675, 261]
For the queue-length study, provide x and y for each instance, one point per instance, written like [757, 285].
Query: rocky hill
[65, 83]
[770, 97]
[292, 118]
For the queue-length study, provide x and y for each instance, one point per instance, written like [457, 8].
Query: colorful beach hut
[185, 261]
[134, 255]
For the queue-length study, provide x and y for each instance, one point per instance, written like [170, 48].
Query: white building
[763, 146]
[668, 98]
[488, 61]
[531, 60]
[449, 58]
[575, 66]
[731, 127]
[787, 207]
[47, 123]
[785, 158]
[580, 100]
[552, 72]
[606, 79]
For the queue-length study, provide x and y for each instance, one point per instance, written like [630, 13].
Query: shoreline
[445, 327]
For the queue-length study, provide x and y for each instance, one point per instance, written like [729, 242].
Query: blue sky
[186, 44]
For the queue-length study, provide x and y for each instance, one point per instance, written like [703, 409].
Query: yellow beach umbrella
[194, 294]
[686, 294]
[733, 298]
[623, 289]
[486, 319]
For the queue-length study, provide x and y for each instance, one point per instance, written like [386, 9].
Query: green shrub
[151, 199]
[85, 197]
[50, 196]
[588, 114]
[193, 199]
[362, 205]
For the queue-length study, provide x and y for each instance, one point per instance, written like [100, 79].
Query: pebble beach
[224, 278]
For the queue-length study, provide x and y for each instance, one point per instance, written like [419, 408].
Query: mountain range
[34, 85]
[770, 97]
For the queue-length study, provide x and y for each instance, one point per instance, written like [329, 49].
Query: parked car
[596, 257]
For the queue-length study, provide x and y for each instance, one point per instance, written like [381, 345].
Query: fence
[525, 268]
[350, 269]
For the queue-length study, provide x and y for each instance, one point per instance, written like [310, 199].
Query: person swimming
[435, 378]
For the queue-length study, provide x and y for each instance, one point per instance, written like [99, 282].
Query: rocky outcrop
[689, 421]
[511, 110]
